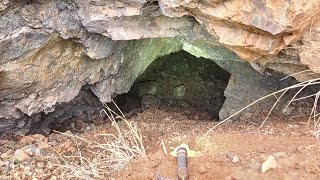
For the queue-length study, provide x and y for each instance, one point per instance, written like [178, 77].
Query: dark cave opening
[175, 82]
[178, 80]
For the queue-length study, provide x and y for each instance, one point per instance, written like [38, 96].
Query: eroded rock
[250, 28]
[50, 50]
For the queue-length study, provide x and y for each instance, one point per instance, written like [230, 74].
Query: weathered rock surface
[51, 49]
[251, 28]
[308, 49]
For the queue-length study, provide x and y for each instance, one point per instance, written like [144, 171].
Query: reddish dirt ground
[234, 150]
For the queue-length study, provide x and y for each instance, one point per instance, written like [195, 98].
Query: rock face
[251, 28]
[50, 50]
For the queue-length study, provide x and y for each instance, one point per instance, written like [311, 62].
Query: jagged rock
[250, 28]
[268, 164]
[308, 50]
[32, 150]
[50, 50]
[21, 156]
[127, 21]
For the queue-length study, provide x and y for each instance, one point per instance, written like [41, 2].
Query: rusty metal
[182, 163]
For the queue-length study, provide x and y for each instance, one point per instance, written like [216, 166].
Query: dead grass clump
[107, 154]
[314, 115]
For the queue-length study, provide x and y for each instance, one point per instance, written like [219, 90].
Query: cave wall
[51, 49]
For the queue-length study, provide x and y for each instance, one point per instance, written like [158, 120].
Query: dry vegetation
[314, 114]
[110, 155]
[118, 150]
[82, 157]
[105, 153]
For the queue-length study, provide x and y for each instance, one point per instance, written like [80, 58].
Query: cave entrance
[178, 80]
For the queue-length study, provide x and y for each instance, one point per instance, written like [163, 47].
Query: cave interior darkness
[178, 80]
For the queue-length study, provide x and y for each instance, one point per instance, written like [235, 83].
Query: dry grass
[314, 115]
[110, 154]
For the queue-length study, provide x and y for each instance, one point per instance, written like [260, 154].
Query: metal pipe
[182, 163]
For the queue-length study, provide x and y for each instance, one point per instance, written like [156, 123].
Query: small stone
[33, 138]
[66, 144]
[20, 155]
[203, 169]
[270, 163]
[80, 125]
[288, 111]
[155, 164]
[235, 159]
[60, 137]
[32, 150]
[179, 91]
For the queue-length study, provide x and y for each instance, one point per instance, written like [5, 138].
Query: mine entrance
[178, 80]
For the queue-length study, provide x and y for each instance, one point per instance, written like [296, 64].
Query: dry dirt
[234, 150]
